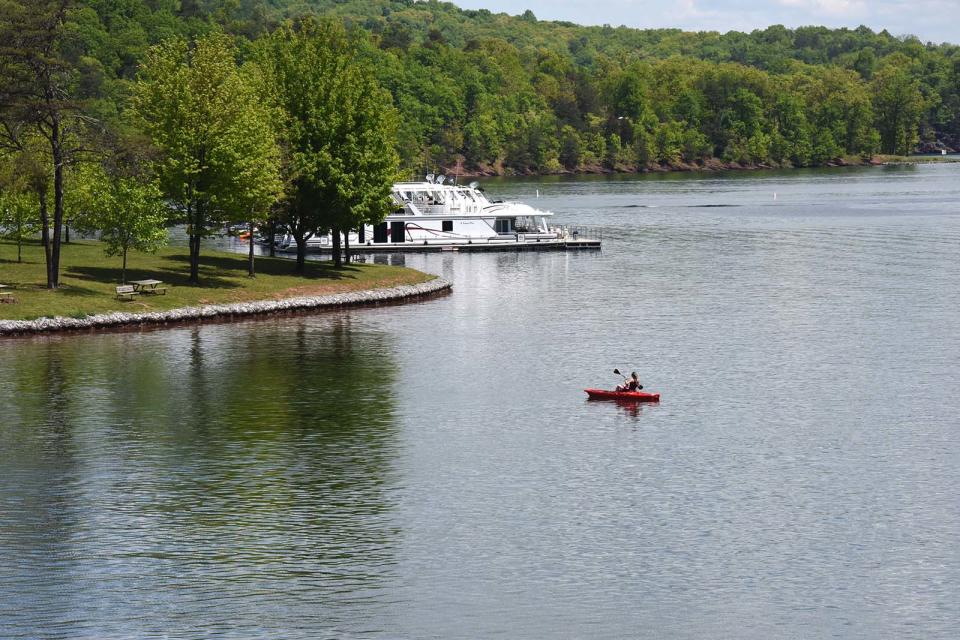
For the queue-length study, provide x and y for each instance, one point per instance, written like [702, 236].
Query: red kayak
[631, 396]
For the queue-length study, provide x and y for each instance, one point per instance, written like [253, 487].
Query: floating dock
[570, 239]
[465, 247]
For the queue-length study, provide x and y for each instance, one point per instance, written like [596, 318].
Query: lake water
[434, 470]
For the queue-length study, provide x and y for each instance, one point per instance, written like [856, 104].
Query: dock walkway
[416, 247]
[574, 239]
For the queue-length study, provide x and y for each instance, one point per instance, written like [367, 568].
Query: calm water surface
[434, 471]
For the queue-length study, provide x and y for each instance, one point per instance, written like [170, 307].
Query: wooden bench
[126, 292]
[155, 291]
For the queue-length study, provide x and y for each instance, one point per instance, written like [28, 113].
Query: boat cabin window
[525, 224]
[503, 225]
[447, 225]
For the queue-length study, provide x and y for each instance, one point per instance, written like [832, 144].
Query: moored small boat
[625, 396]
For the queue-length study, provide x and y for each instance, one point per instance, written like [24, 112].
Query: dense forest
[512, 94]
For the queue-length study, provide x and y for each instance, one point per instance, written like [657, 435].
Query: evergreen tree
[37, 99]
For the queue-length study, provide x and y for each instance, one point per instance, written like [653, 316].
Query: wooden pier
[568, 244]
[571, 238]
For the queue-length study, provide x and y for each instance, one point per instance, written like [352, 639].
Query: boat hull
[622, 396]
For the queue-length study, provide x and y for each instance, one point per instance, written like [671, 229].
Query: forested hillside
[504, 94]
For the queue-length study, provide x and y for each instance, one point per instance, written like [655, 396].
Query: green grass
[915, 159]
[88, 279]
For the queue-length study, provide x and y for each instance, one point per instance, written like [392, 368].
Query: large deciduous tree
[220, 161]
[339, 126]
[37, 86]
[257, 185]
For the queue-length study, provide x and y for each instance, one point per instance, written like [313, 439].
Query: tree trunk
[346, 247]
[123, 269]
[250, 270]
[196, 228]
[56, 148]
[45, 231]
[337, 257]
[19, 241]
[194, 258]
[301, 252]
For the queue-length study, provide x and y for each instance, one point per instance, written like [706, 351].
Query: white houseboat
[432, 215]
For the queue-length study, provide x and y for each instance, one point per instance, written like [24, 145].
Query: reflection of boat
[432, 215]
[622, 396]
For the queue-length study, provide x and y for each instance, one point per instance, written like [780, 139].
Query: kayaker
[631, 384]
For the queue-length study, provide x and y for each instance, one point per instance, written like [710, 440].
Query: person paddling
[630, 384]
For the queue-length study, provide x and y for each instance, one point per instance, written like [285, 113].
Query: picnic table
[148, 286]
[5, 296]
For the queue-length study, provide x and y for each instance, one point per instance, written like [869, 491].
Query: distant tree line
[249, 111]
[511, 94]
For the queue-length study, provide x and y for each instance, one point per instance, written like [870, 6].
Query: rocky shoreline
[222, 312]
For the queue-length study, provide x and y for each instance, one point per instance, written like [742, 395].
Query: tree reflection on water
[149, 467]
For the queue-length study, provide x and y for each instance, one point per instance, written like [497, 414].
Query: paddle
[617, 371]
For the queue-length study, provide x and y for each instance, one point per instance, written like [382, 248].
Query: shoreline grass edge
[221, 312]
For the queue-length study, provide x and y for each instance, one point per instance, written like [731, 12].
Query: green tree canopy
[219, 158]
[339, 127]
[127, 210]
[898, 105]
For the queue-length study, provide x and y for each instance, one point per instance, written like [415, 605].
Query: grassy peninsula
[89, 280]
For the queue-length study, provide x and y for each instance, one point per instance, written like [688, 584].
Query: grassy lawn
[88, 280]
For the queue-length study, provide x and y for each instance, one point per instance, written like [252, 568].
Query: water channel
[434, 470]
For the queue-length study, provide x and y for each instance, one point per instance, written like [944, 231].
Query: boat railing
[555, 234]
[578, 232]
